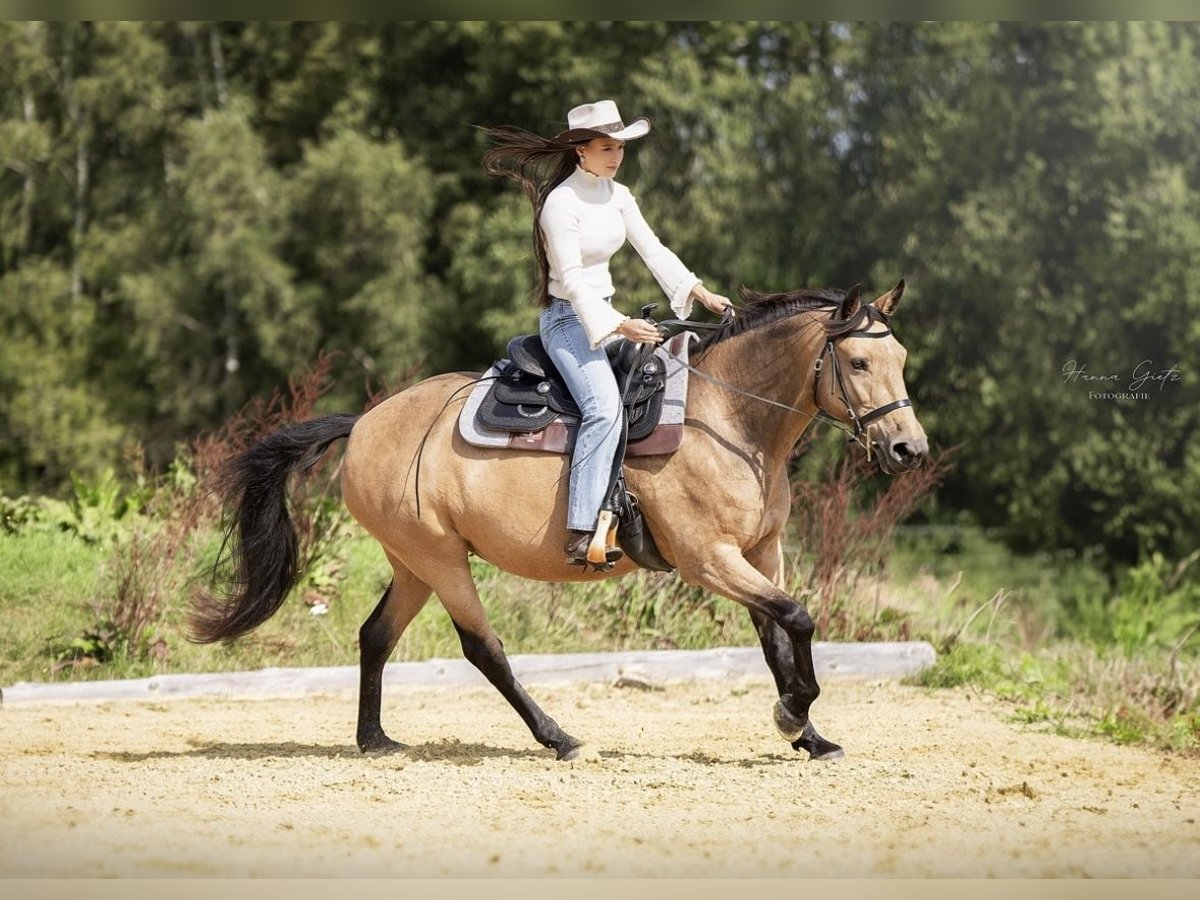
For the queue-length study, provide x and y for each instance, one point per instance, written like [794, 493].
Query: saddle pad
[559, 435]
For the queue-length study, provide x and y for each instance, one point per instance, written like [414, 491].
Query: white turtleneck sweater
[587, 219]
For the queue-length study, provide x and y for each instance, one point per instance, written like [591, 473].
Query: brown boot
[577, 548]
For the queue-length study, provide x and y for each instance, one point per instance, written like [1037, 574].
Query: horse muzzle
[901, 453]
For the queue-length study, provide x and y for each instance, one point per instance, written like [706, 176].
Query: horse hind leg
[484, 650]
[486, 653]
[377, 638]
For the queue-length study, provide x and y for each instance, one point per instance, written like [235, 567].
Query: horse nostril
[907, 453]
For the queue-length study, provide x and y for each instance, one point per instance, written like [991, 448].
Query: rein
[857, 434]
[860, 422]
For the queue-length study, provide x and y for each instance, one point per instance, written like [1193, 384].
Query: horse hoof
[380, 745]
[834, 752]
[577, 751]
[817, 746]
[789, 725]
[585, 754]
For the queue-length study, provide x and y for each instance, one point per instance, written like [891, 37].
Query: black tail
[261, 538]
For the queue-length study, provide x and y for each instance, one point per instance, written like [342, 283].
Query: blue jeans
[590, 381]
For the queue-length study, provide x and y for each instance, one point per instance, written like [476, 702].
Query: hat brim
[639, 127]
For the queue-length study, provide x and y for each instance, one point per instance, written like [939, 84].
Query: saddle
[528, 392]
[522, 403]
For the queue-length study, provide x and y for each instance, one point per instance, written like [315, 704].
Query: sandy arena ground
[688, 781]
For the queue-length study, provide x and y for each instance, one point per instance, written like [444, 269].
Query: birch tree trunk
[82, 173]
[30, 186]
[229, 322]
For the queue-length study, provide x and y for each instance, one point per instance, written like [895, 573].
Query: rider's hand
[639, 331]
[715, 303]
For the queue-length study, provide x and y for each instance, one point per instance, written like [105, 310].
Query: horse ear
[850, 301]
[887, 303]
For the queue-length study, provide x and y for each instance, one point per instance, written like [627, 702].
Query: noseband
[860, 422]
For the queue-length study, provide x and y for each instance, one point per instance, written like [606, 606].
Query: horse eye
[860, 364]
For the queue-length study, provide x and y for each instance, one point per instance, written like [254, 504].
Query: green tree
[357, 219]
[52, 418]
[219, 310]
[1039, 151]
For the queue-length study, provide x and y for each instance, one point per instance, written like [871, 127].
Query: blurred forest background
[190, 212]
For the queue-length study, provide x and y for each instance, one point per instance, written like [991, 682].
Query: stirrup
[597, 551]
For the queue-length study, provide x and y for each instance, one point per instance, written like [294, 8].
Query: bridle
[860, 422]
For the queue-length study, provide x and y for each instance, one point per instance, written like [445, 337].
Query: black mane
[762, 309]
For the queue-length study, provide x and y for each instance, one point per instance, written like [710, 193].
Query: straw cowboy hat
[601, 120]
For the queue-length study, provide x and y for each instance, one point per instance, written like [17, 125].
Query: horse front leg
[785, 631]
[767, 558]
[780, 654]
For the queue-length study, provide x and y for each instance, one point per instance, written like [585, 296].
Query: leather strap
[872, 315]
[884, 410]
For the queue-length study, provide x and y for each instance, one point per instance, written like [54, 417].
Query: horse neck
[774, 362]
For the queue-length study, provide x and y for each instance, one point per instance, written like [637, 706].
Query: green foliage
[491, 284]
[1124, 726]
[98, 511]
[1050, 229]
[967, 664]
[357, 221]
[53, 416]
[20, 514]
[1075, 690]
[661, 612]
[1073, 650]
[1155, 606]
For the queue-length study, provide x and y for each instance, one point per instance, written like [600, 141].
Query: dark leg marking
[376, 643]
[489, 658]
[817, 746]
[781, 655]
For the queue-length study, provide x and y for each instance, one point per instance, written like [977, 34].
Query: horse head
[860, 381]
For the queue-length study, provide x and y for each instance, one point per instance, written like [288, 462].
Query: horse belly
[508, 507]
[513, 511]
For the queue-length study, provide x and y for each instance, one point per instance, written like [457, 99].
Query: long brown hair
[539, 165]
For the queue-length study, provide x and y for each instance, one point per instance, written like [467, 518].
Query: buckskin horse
[716, 507]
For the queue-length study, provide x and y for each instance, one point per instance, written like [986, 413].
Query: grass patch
[48, 582]
[965, 664]
[1074, 652]
[638, 612]
[950, 572]
[55, 582]
[1074, 689]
